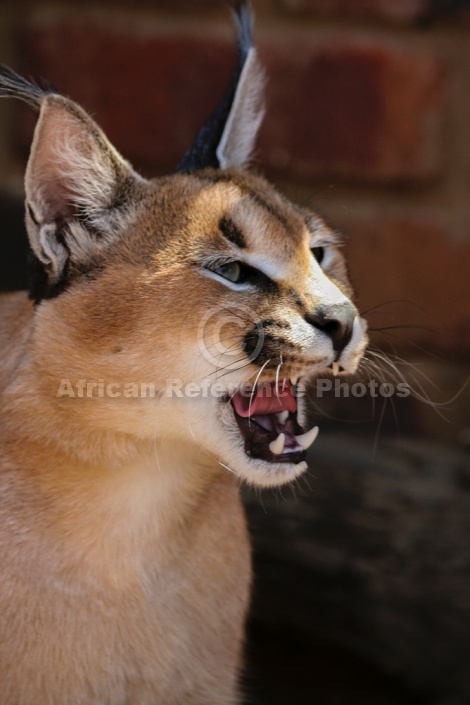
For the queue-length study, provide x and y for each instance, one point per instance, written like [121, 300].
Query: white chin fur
[264, 474]
[255, 471]
[212, 429]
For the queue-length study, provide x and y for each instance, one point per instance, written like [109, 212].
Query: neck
[68, 449]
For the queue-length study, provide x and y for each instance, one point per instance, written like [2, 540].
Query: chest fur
[112, 602]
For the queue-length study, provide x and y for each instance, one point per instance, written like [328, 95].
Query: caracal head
[188, 309]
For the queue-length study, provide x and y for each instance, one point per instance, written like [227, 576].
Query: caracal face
[220, 296]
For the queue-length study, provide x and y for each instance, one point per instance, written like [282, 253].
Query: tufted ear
[228, 137]
[77, 185]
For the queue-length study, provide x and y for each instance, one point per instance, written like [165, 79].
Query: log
[370, 552]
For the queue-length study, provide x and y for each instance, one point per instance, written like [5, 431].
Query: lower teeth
[277, 446]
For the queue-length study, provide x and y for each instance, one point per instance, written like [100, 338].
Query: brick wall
[368, 121]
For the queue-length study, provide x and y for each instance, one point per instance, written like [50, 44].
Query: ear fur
[238, 138]
[76, 182]
[228, 137]
[80, 192]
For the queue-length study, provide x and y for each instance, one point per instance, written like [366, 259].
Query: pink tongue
[266, 399]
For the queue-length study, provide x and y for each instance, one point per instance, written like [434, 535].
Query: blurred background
[362, 570]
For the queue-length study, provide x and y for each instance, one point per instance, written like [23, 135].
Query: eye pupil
[231, 271]
[318, 253]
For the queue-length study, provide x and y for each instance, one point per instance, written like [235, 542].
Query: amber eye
[318, 253]
[231, 271]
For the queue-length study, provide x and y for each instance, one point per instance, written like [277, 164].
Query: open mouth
[267, 417]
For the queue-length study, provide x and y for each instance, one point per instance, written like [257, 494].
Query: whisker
[414, 345]
[245, 382]
[379, 426]
[395, 301]
[416, 390]
[404, 363]
[204, 450]
[228, 368]
[223, 340]
[254, 386]
[410, 326]
[246, 363]
[97, 362]
[313, 405]
[277, 376]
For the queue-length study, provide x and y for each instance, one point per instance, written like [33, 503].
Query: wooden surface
[364, 568]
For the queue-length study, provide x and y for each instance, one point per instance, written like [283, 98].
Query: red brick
[183, 4]
[186, 4]
[149, 93]
[396, 10]
[360, 110]
[347, 109]
[416, 265]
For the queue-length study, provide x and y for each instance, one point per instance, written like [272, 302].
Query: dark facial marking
[216, 178]
[259, 279]
[270, 208]
[271, 322]
[271, 348]
[230, 231]
[262, 344]
[41, 288]
[31, 214]
[297, 299]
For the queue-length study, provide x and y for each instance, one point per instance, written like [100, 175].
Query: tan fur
[125, 560]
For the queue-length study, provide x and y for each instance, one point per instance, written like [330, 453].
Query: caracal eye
[231, 271]
[318, 253]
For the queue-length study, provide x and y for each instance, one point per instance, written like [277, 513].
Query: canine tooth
[336, 368]
[294, 380]
[277, 446]
[306, 439]
[282, 416]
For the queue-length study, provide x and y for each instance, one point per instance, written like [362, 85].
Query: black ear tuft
[239, 113]
[12, 85]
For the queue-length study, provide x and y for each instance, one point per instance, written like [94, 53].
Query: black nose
[336, 321]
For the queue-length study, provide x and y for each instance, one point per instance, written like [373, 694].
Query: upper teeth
[306, 439]
[335, 368]
[282, 416]
[277, 446]
[294, 380]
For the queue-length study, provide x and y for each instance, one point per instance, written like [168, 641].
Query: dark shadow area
[14, 245]
[361, 578]
[285, 667]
